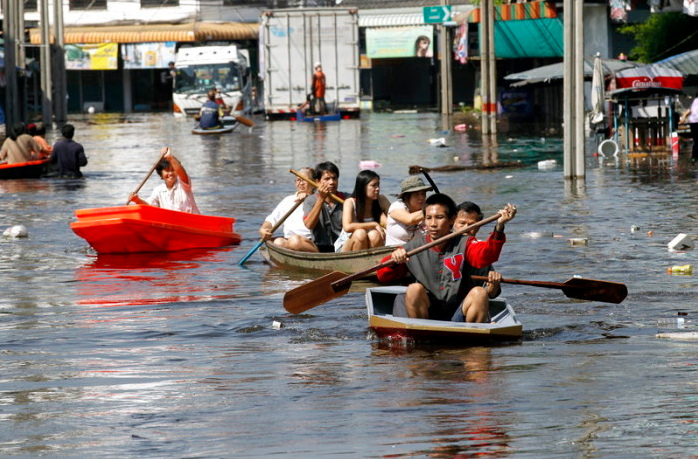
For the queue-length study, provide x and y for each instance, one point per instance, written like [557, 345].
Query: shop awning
[148, 33]
[522, 30]
[528, 38]
[390, 20]
[547, 73]
[686, 63]
[413, 17]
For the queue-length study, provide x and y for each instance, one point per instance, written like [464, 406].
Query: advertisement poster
[98, 56]
[400, 42]
[147, 55]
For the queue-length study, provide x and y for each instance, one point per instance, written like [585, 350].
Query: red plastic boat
[30, 169]
[138, 228]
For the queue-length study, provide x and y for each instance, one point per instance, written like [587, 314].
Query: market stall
[644, 114]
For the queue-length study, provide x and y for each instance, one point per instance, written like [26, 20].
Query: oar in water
[336, 284]
[431, 182]
[162, 155]
[242, 120]
[579, 288]
[274, 228]
[315, 185]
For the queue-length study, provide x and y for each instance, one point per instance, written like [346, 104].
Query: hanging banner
[399, 42]
[147, 55]
[98, 56]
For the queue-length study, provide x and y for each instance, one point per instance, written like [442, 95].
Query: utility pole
[446, 83]
[488, 70]
[45, 65]
[573, 90]
[11, 10]
[59, 76]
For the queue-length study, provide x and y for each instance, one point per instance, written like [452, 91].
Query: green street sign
[437, 14]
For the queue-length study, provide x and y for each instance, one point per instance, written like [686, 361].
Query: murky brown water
[174, 355]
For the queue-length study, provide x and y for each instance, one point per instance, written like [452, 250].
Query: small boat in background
[225, 129]
[346, 262]
[30, 169]
[300, 116]
[504, 325]
[142, 228]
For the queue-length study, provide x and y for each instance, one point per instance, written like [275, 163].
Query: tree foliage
[662, 36]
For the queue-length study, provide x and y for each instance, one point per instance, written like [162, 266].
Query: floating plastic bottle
[681, 269]
[674, 322]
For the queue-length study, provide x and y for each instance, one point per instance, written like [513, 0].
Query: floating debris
[16, 231]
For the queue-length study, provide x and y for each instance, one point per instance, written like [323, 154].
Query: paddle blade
[246, 121]
[315, 293]
[595, 290]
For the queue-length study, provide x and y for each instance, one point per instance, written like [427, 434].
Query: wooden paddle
[579, 288]
[315, 185]
[431, 182]
[242, 120]
[162, 155]
[274, 228]
[336, 283]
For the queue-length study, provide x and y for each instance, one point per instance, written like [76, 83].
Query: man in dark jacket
[68, 155]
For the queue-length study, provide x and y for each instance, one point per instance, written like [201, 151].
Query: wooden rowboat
[139, 228]
[379, 302]
[29, 169]
[346, 262]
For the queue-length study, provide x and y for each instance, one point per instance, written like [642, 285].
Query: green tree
[662, 36]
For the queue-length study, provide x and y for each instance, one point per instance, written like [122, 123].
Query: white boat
[504, 325]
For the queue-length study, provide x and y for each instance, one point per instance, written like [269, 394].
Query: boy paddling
[442, 281]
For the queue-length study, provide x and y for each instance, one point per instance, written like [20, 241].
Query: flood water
[175, 355]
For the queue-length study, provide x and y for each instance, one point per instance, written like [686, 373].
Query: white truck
[201, 68]
[290, 43]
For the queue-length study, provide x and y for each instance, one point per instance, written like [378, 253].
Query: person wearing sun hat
[405, 216]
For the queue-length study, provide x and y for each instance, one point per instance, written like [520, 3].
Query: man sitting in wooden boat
[211, 112]
[175, 193]
[441, 272]
[322, 213]
[469, 213]
[19, 147]
[406, 216]
[296, 235]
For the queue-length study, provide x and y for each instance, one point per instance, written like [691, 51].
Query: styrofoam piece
[679, 335]
[681, 242]
[579, 241]
[547, 164]
[16, 231]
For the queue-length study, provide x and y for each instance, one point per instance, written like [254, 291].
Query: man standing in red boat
[318, 85]
[175, 193]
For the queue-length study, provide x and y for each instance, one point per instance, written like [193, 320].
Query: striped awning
[390, 20]
[148, 33]
[519, 11]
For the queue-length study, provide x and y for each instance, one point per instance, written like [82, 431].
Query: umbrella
[598, 89]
